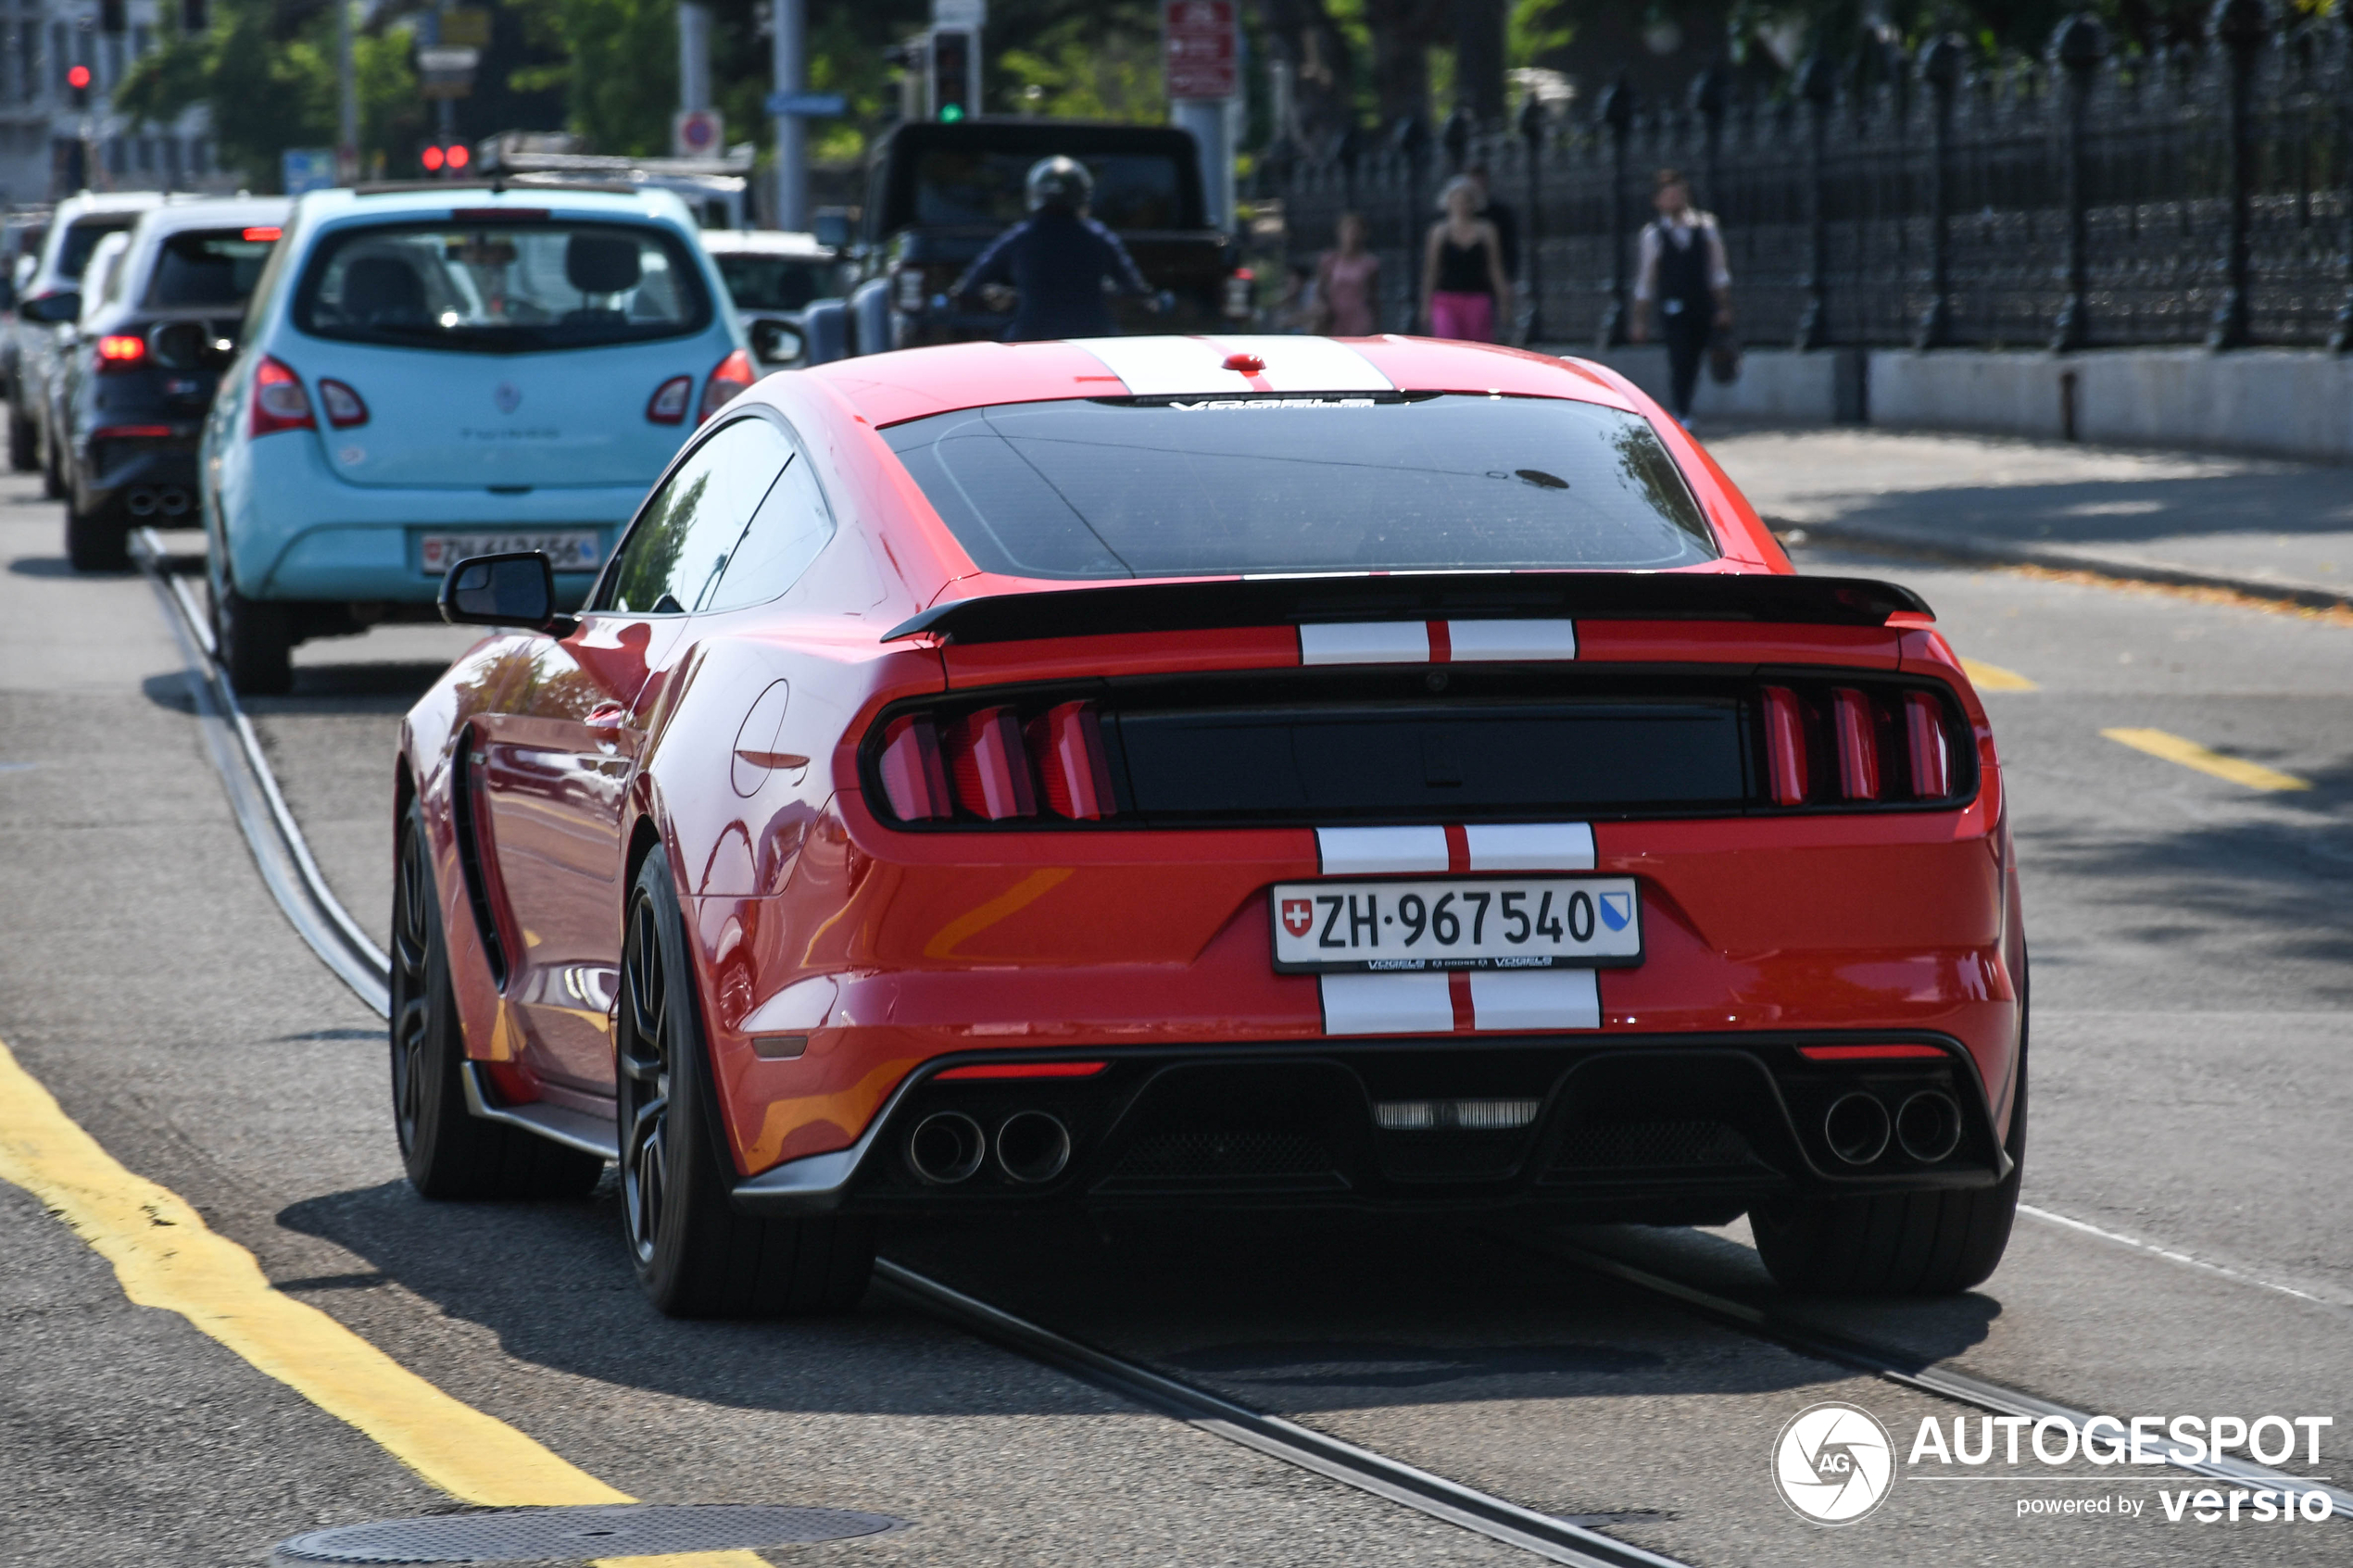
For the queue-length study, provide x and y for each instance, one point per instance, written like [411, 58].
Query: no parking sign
[698, 133]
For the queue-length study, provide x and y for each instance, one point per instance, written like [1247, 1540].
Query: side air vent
[469, 810]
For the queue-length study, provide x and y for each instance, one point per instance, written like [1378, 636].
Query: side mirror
[507, 590]
[776, 343]
[831, 227]
[51, 309]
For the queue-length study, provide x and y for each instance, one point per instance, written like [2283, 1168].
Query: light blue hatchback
[430, 374]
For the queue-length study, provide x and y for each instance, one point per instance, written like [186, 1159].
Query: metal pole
[348, 99]
[1532, 120]
[2078, 47]
[2239, 26]
[1617, 113]
[694, 56]
[789, 36]
[2341, 340]
[1941, 69]
[1817, 81]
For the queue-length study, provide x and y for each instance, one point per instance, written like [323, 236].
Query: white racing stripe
[1530, 847]
[1380, 851]
[1387, 1003]
[1477, 642]
[1366, 641]
[1535, 998]
[1177, 367]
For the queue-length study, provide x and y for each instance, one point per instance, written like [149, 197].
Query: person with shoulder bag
[1682, 271]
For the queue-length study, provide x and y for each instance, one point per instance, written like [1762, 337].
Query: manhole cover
[524, 1535]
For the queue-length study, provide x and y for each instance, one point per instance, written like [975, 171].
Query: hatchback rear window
[83, 237]
[1231, 486]
[208, 267]
[501, 288]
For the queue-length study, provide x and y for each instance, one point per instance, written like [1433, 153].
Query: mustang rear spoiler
[1441, 596]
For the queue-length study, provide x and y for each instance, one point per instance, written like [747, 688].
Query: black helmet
[1059, 182]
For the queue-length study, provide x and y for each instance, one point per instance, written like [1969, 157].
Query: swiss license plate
[572, 550]
[1468, 923]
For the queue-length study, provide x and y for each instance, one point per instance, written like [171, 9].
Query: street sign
[819, 105]
[469, 25]
[698, 133]
[973, 14]
[1201, 53]
[307, 168]
[446, 70]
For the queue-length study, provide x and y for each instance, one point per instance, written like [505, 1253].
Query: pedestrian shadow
[1298, 1314]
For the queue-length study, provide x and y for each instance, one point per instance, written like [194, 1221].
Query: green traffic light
[951, 112]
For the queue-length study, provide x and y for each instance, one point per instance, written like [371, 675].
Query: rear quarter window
[210, 266]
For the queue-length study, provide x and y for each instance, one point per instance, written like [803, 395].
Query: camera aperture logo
[1833, 1463]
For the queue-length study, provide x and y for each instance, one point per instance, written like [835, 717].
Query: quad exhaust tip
[1928, 1127]
[1857, 1128]
[946, 1148]
[141, 502]
[1032, 1146]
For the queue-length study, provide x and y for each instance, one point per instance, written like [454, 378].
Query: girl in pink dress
[1348, 282]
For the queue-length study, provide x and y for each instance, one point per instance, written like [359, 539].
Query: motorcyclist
[1057, 260]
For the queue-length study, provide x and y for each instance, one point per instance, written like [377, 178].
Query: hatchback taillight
[733, 377]
[994, 765]
[668, 404]
[121, 351]
[345, 408]
[1854, 745]
[279, 402]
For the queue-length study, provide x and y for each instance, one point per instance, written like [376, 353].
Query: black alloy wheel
[24, 456]
[1899, 1244]
[449, 1152]
[694, 1254]
[254, 641]
[99, 540]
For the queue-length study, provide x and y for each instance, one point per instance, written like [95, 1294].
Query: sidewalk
[2276, 530]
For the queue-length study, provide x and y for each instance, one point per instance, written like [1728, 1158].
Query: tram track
[302, 893]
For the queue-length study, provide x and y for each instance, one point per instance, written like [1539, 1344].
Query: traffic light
[451, 159]
[78, 79]
[113, 16]
[952, 70]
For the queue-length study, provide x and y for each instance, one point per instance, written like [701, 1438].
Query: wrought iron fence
[2080, 200]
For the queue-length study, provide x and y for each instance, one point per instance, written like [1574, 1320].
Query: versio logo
[1833, 1463]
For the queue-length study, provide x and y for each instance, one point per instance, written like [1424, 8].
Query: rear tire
[23, 456]
[53, 473]
[254, 641]
[449, 1152]
[694, 1255]
[1900, 1244]
[98, 541]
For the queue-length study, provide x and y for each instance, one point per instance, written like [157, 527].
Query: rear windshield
[1219, 486]
[208, 267]
[777, 283]
[82, 238]
[495, 288]
[966, 185]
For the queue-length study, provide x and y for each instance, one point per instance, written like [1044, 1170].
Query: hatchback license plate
[1486, 922]
[569, 551]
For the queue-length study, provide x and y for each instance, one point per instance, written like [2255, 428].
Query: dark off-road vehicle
[936, 193]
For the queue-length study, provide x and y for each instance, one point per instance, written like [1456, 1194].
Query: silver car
[48, 308]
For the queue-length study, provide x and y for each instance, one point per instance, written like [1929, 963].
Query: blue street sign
[307, 168]
[812, 104]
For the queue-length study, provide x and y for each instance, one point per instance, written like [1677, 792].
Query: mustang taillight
[913, 778]
[1853, 745]
[990, 766]
[997, 764]
[1066, 745]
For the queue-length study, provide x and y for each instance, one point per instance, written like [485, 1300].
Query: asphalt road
[2191, 940]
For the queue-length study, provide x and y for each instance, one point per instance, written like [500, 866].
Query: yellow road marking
[168, 1257]
[2189, 754]
[1994, 677]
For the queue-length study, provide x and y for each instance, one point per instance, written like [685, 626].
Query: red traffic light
[77, 78]
[431, 158]
[459, 158]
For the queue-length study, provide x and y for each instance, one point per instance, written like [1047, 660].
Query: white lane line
[2172, 1255]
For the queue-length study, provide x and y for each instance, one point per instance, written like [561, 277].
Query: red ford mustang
[1232, 772]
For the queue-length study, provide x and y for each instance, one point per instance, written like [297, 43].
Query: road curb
[2059, 558]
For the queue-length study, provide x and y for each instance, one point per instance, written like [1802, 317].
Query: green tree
[271, 85]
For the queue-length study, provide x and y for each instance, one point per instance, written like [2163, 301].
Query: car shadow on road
[1295, 1314]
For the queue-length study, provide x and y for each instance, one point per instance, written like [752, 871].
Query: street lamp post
[2078, 47]
[1941, 64]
